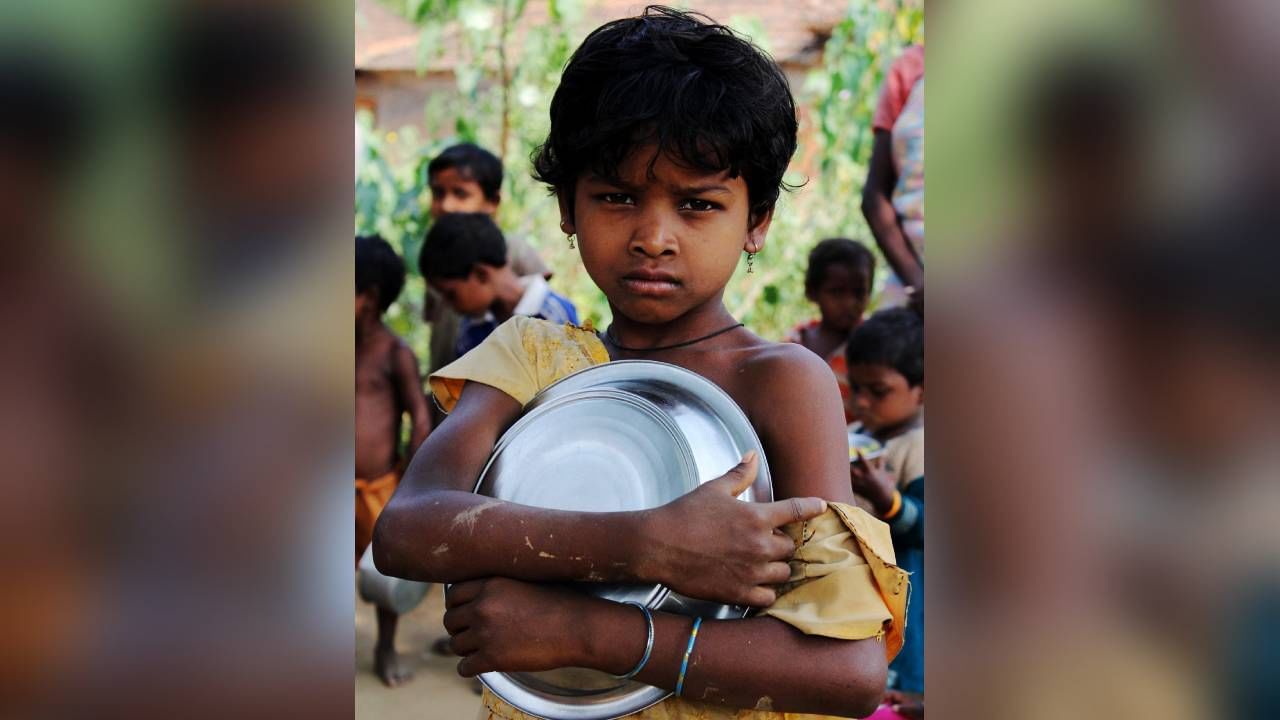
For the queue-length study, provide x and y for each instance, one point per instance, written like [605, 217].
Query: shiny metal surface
[714, 426]
[626, 435]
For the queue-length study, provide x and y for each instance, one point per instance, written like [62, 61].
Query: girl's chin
[645, 311]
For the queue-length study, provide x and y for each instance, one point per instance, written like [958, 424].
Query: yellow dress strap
[520, 358]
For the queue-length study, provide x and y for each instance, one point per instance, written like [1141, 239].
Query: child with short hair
[387, 386]
[885, 356]
[669, 138]
[466, 178]
[464, 259]
[838, 280]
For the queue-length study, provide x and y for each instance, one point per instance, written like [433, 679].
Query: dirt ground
[435, 692]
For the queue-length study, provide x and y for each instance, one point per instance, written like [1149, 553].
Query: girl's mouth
[650, 285]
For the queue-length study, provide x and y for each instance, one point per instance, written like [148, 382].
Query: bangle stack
[684, 664]
[648, 645]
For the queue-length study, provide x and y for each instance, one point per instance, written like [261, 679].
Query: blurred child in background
[466, 178]
[886, 378]
[388, 385]
[464, 259]
[838, 281]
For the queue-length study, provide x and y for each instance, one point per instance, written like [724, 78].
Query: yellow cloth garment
[371, 497]
[844, 583]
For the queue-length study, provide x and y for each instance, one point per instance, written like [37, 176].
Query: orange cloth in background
[837, 362]
[371, 497]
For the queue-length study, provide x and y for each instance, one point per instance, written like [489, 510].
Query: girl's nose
[654, 237]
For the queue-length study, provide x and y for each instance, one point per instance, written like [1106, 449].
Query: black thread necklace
[614, 341]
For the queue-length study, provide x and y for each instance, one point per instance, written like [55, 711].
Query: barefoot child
[669, 138]
[387, 386]
[838, 280]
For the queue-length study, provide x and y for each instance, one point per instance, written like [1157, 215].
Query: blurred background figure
[838, 280]
[893, 195]
[177, 394]
[1107, 388]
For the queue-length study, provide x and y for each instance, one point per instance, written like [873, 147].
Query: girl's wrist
[610, 637]
[637, 550]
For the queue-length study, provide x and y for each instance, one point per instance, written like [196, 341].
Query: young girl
[838, 280]
[669, 138]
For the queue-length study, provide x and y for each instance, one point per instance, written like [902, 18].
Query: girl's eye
[617, 199]
[697, 205]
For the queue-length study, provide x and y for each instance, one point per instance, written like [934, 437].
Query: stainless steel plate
[716, 429]
[626, 435]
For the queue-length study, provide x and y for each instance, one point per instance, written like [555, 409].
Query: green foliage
[507, 112]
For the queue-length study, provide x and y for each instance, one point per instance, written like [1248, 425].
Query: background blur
[430, 74]
[176, 371]
[1102, 349]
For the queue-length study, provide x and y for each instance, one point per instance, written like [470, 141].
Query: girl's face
[660, 244]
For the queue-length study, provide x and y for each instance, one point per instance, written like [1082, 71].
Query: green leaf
[465, 128]
[771, 294]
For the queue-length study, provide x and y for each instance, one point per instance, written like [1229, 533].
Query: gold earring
[751, 260]
[571, 239]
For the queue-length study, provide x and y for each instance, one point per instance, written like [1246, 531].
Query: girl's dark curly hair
[705, 95]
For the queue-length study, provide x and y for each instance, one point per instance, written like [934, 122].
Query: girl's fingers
[474, 664]
[776, 573]
[791, 510]
[464, 644]
[761, 597]
[457, 619]
[462, 593]
[781, 547]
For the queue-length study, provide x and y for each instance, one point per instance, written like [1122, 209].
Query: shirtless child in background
[387, 386]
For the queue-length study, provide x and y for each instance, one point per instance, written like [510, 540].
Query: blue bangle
[648, 645]
[684, 665]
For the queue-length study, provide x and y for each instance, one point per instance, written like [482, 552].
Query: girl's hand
[499, 624]
[712, 546]
[872, 481]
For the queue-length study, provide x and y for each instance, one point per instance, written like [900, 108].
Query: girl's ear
[919, 390]
[757, 229]
[566, 212]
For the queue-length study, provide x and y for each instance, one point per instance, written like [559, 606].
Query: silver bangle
[648, 645]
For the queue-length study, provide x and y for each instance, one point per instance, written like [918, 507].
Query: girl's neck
[696, 323]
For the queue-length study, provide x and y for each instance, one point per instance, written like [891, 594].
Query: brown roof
[796, 29]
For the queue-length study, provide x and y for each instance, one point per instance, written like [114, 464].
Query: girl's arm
[499, 624]
[760, 663]
[434, 529]
[882, 218]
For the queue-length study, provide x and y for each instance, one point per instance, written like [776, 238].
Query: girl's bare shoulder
[771, 373]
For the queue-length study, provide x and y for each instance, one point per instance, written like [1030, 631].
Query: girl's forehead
[650, 170]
